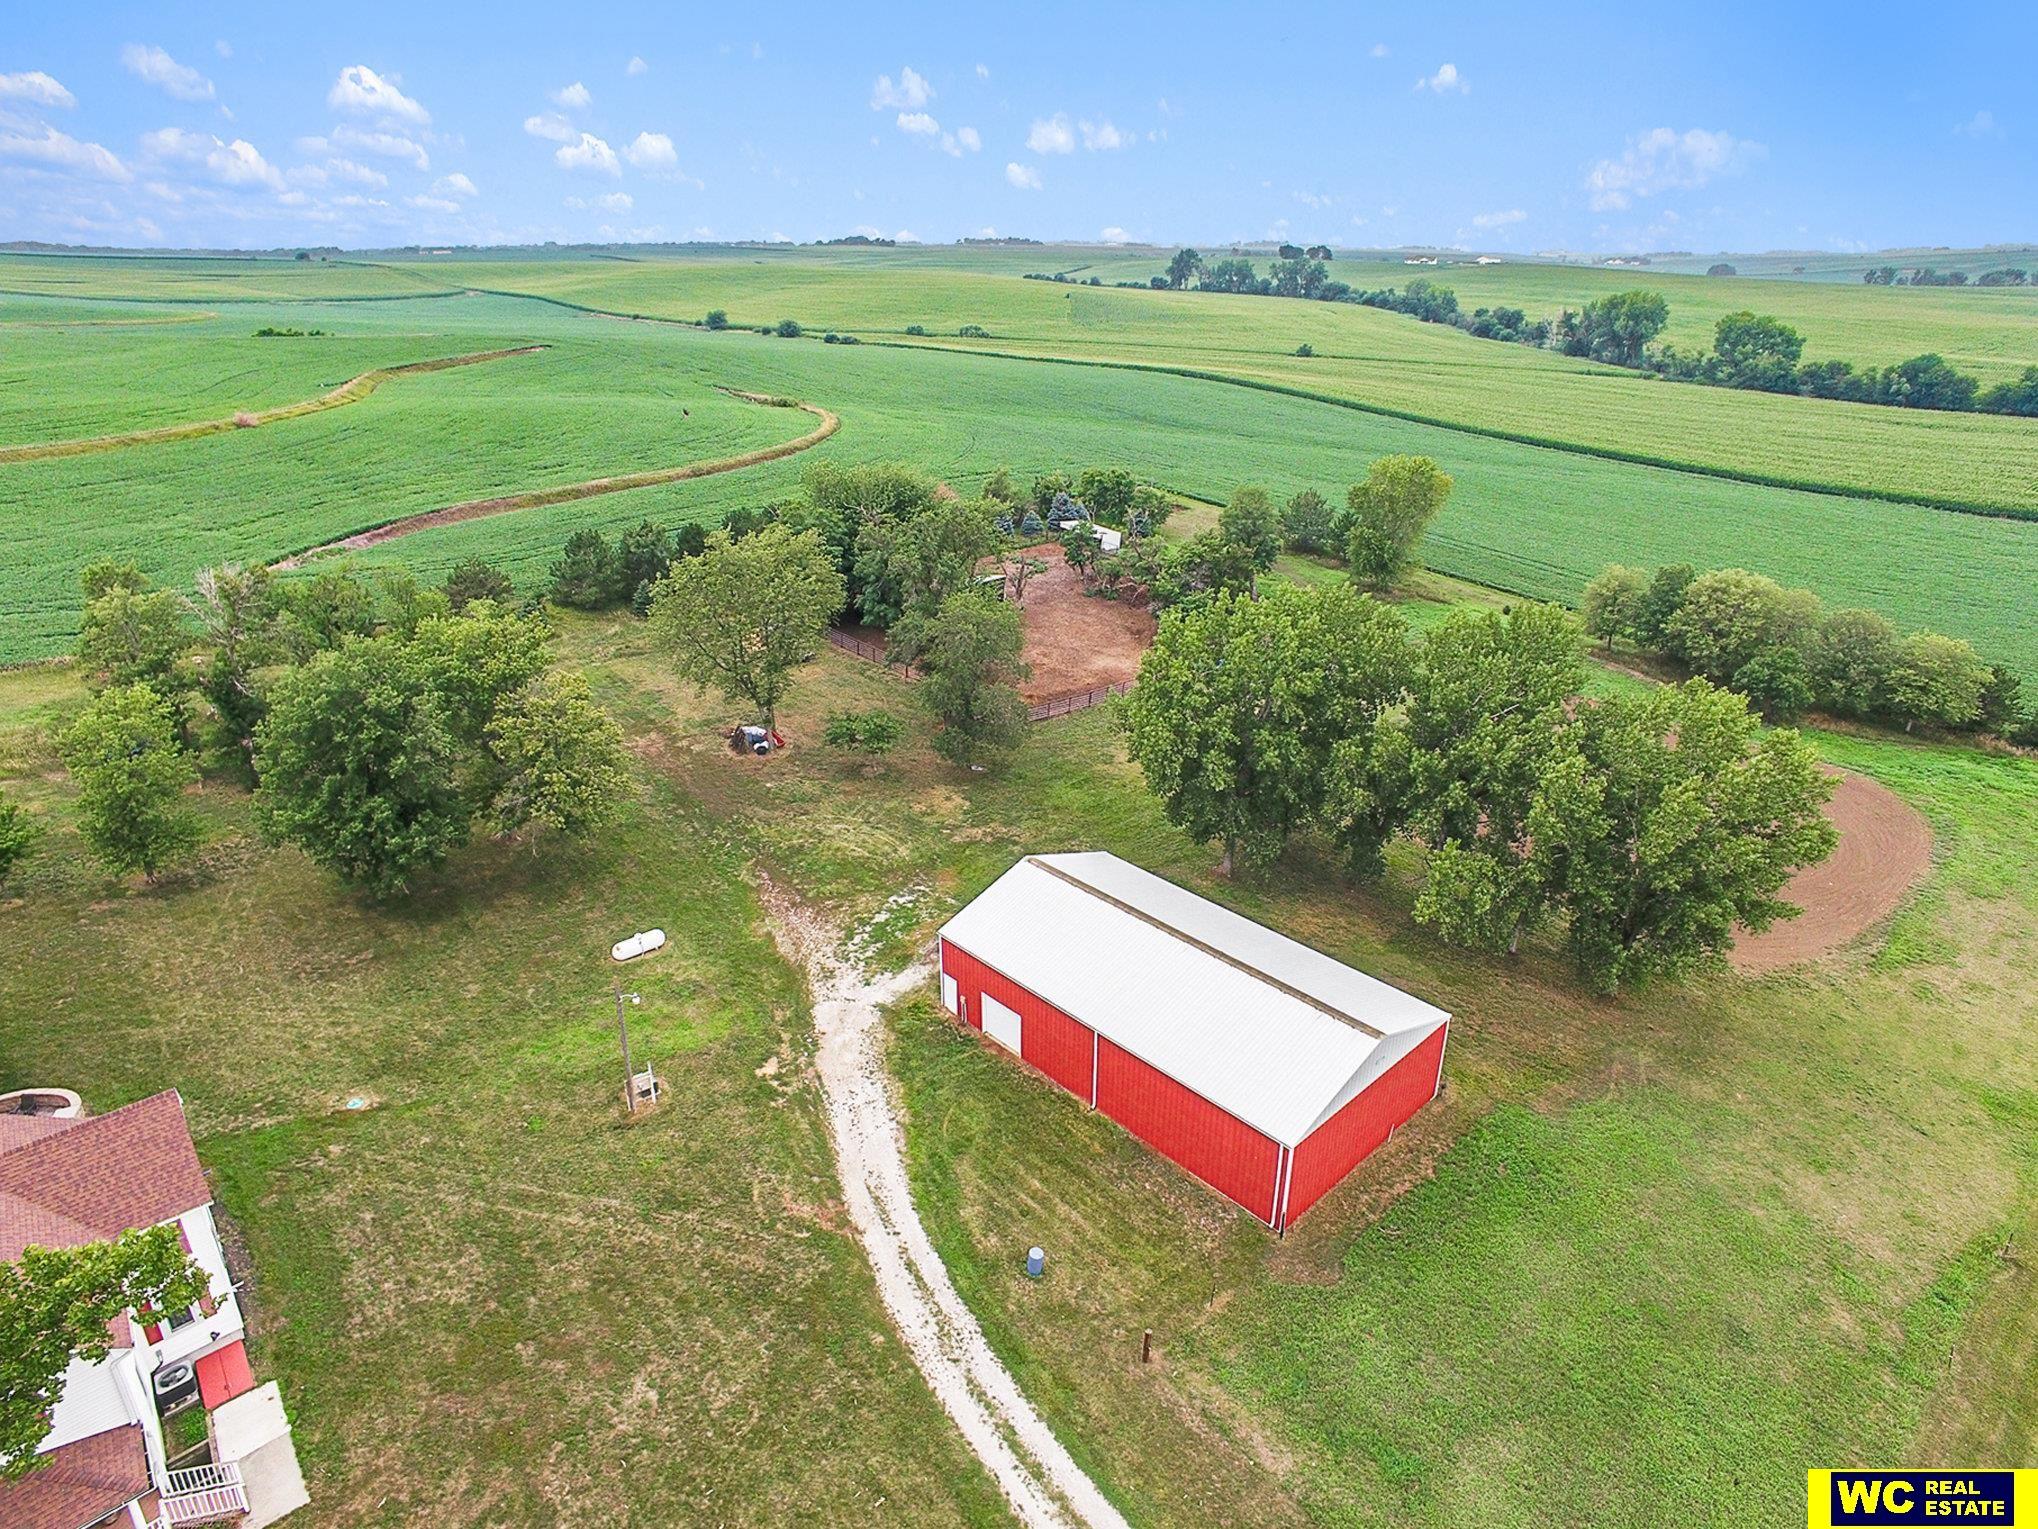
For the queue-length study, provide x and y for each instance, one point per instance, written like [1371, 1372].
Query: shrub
[788, 329]
[973, 332]
[1776, 681]
[717, 319]
[1306, 523]
[1612, 603]
[1660, 601]
[243, 420]
[1390, 511]
[864, 732]
[588, 576]
[1305, 349]
[919, 329]
[1852, 657]
[1939, 681]
[476, 579]
[1728, 616]
[17, 833]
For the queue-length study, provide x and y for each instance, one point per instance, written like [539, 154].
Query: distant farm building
[1265, 1068]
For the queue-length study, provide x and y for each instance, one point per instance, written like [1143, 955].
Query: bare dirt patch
[1885, 848]
[1076, 642]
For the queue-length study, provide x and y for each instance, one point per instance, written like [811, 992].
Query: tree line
[378, 722]
[1645, 829]
[1788, 654]
[1925, 276]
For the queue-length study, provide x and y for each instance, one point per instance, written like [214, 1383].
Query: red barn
[1263, 1067]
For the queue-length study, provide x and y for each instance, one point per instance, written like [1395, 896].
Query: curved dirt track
[353, 390]
[1885, 849]
[475, 509]
[1044, 1486]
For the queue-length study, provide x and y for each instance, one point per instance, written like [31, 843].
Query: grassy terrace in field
[607, 398]
[1381, 360]
[204, 279]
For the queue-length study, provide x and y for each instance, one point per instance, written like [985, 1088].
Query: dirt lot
[1077, 642]
[1885, 847]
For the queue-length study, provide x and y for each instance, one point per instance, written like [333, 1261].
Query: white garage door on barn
[1002, 1024]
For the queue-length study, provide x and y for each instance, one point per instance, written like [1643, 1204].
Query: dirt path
[1044, 1486]
[1077, 641]
[475, 509]
[353, 390]
[1885, 848]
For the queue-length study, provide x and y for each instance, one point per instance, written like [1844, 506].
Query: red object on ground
[223, 1375]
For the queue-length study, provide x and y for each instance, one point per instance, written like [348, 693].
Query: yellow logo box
[1940, 1496]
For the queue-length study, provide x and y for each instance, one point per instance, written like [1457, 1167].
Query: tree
[1939, 681]
[744, 614]
[1659, 603]
[104, 575]
[1368, 662]
[1079, 545]
[123, 752]
[1728, 616]
[401, 602]
[1927, 382]
[718, 318]
[1852, 659]
[1251, 521]
[644, 553]
[1757, 352]
[2017, 396]
[1487, 721]
[1306, 523]
[476, 578]
[589, 573]
[970, 679]
[317, 614]
[1720, 268]
[1107, 493]
[236, 611]
[1618, 328]
[474, 663]
[1183, 268]
[17, 836]
[1612, 604]
[1018, 569]
[788, 329]
[1777, 682]
[358, 766]
[1390, 512]
[556, 759]
[1672, 823]
[907, 568]
[998, 486]
[59, 1304]
[1228, 723]
[135, 637]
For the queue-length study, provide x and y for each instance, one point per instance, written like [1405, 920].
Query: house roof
[1261, 1025]
[80, 1483]
[66, 1182]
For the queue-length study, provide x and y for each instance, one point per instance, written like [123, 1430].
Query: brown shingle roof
[80, 1483]
[97, 1177]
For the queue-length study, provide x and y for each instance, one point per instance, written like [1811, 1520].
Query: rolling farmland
[605, 398]
[1377, 359]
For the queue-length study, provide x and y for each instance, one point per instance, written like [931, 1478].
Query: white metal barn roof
[1262, 1026]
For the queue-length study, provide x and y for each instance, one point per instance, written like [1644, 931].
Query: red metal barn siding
[1219, 1148]
[1345, 1140]
[1050, 1040]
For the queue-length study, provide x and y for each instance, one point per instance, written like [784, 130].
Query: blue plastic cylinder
[1036, 1262]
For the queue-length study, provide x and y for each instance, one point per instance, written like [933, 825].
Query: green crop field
[607, 398]
[205, 279]
[1388, 361]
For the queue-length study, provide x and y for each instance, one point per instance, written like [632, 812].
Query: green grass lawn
[1641, 1259]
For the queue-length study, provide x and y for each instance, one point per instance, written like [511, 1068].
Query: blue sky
[1722, 127]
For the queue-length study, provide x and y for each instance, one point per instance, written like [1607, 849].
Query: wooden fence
[1056, 706]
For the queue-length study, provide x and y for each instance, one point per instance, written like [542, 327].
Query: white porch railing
[201, 1495]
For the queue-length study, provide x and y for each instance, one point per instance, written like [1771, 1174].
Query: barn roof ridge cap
[1238, 963]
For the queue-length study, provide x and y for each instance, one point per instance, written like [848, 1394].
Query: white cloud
[636, 66]
[359, 174]
[315, 143]
[1445, 81]
[456, 184]
[1981, 125]
[1498, 219]
[614, 201]
[1051, 135]
[962, 140]
[63, 152]
[432, 203]
[361, 90]
[1114, 235]
[910, 94]
[223, 48]
[1102, 135]
[1316, 199]
[1663, 159]
[36, 88]
[652, 151]
[238, 163]
[906, 236]
[165, 73]
[918, 122]
[589, 154]
[983, 71]
[574, 97]
[1166, 109]
[1378, 50]
[382, 145]
[549, 124]
[988, 231]
[1025, 177]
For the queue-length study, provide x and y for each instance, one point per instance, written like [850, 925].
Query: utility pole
[623, 1030]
